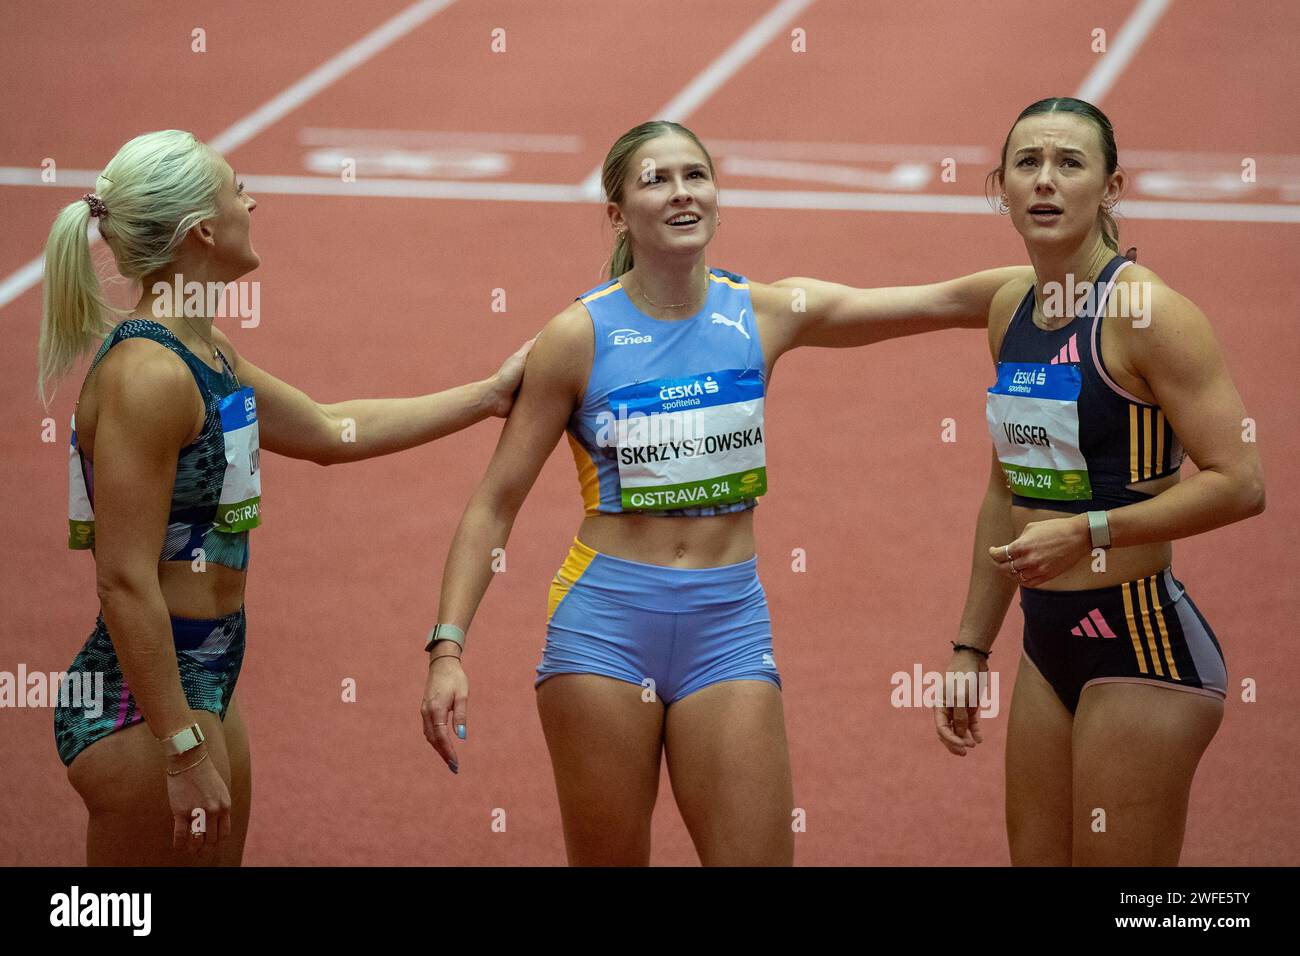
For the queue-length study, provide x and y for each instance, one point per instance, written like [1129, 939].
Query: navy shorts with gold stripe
[1145, 631]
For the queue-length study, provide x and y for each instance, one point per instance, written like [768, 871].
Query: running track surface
[369, 296]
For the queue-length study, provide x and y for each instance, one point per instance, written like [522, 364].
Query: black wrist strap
[966, 647]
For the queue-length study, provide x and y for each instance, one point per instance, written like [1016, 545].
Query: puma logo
[737, 324]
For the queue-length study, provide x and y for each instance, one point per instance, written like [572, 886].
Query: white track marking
[741, 198]
[438, 139]
[1120, 51]
[903, 176]
[717, 73]
[274, 109]
[336, 67]
[850, 152]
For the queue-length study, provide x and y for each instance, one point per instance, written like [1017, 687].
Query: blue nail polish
[455, 768]
[460, 731]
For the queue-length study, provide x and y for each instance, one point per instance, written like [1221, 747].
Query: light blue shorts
[671, 630]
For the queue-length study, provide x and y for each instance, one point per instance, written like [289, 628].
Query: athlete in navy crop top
[1104, 439]
[192, 522]
[164, 485]
[1103, 375]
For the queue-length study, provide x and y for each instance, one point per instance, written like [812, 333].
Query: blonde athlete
[659, 637]
[165, 481]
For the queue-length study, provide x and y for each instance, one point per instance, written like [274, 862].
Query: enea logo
[1029, 378]
[629, 337]
[1071, 479]
[749, 480]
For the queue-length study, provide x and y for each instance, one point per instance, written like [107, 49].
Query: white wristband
[445, 632]
[1099, 528]
[182, 742]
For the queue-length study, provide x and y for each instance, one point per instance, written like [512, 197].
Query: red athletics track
[365, 296]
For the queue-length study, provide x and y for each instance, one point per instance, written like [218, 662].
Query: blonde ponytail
[620, 260]
[157, 187]
[73, 311]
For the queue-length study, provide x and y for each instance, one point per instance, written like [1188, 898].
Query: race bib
[241, 487]
[1033, 415]
[690, 442]
[81, 517]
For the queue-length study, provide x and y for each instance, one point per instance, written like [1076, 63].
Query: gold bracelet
[177, 773]
[438, 657]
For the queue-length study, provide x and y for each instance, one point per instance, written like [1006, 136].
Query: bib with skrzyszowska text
[241, 487]
[1033, 416]
[690, 442]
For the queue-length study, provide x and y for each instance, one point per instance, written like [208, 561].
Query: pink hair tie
[97, 207]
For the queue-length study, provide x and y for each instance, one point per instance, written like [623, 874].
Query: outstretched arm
[291, 423]
[826, 314]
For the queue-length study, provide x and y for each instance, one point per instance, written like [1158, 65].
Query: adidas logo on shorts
[1086, 628]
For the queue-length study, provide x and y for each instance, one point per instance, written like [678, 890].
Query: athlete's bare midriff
[674, 541]
[1120, 564]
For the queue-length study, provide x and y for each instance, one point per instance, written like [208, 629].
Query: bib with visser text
[1033, 416]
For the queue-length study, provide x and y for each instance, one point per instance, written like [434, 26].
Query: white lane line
[1124, 47]
[31, 176]
[746, 47]
[440, 139]
[20, 281]
[891, 202]
[413, 188]
[275, 109]
[850, 152]
[337, 66]
[741, 198]
[902, 176]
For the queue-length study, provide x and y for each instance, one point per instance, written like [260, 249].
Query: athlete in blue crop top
[659, 638]
[164, 487]
[1104, 377]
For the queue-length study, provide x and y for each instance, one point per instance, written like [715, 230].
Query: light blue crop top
[672, 419]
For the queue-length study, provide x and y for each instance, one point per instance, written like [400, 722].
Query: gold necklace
[1098, 263]
[641, 292]
[215, 354]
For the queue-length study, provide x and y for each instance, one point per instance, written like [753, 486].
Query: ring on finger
[1006, 548]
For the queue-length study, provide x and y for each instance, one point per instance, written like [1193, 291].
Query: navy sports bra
[216, 497]
[1068, 437]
